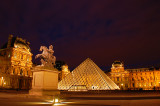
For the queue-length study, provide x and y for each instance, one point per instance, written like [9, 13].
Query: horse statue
[47, 57]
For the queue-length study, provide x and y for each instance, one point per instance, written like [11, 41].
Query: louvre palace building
[135, 79]
[15, 64]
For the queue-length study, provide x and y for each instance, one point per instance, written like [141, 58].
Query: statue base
[45, 81]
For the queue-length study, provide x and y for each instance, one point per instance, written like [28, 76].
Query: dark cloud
[104, 30]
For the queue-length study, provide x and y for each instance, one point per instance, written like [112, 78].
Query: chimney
[9, 41]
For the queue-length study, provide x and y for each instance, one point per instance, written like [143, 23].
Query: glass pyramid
[87, 76]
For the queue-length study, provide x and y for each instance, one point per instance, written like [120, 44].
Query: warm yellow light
[2, 78]
[65, 69]
[122, 84]
[4, 83]
[56, 100]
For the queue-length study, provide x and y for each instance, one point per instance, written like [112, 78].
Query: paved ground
[7, 99]
[146, 102]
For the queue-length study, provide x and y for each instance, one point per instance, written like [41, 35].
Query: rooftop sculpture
[47, 57]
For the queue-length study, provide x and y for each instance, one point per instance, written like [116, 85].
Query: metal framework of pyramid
[87, 76]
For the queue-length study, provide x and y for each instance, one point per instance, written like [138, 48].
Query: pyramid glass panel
[87, 76]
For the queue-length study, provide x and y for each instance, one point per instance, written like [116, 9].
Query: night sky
[103, 30]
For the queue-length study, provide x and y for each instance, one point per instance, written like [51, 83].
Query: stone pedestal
[45, 81]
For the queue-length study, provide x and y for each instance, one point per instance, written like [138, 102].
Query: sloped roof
[15, 40]
[87, 76]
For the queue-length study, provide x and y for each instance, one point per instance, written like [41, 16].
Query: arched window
[133, 84]
[13, 71]
[27, 58]
[21, 72]
[15, 55]
[117, 78]
[21, 56]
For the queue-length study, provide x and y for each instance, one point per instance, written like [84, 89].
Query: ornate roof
[16, 41]
[117, 63]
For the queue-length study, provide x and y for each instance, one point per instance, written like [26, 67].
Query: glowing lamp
[56, 100]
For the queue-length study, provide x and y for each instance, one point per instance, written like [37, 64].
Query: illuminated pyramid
[87, 76]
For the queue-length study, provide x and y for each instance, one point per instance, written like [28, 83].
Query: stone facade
[144, 78]
[15, 64]
[119, 75]
[135, 79]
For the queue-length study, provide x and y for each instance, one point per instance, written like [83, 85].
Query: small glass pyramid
[87, 76]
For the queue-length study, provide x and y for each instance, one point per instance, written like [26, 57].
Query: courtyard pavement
[13, 99]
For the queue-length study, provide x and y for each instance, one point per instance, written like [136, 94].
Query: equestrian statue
[47, 57]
